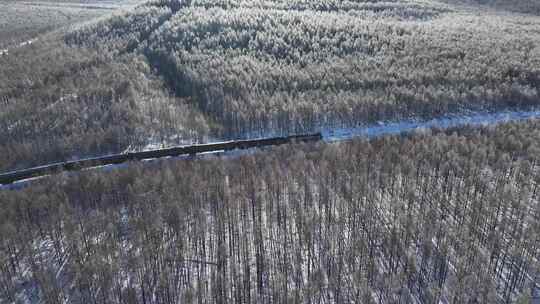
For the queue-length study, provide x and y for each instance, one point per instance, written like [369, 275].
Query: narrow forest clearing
[380, 129]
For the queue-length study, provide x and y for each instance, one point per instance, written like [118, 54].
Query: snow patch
[407, 126]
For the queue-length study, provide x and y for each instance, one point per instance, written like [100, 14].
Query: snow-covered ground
[393, 128]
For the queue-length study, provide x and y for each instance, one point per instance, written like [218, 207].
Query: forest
[172, 72]
[440, 217]
[86, 104]
[434, 216]
[520, 6]
[329, 62]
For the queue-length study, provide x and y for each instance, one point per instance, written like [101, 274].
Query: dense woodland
[450, 216]
[84, 104]
[287, 66]
[521, 6]
[171, 72]
[439, 216]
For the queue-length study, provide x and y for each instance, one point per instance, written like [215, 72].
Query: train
[35, 172]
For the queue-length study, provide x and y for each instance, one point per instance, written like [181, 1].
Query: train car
[11, 177]
[14, 176]
[306, 138]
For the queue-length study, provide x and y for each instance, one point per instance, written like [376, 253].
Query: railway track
[326, 135]
[19, 175]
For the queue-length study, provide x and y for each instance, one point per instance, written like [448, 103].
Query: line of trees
[449, 217]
